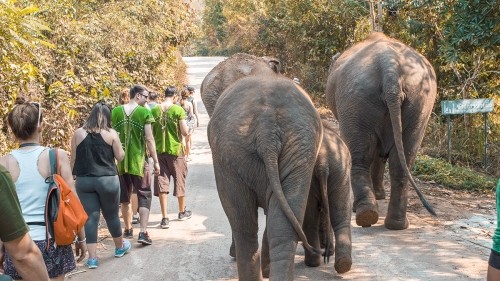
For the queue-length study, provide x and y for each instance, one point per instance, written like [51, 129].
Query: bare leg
[144, 215]
[182, 203]
[126, 209]
[118, 242]
[163, 204]
[92, 249]
[135, 204]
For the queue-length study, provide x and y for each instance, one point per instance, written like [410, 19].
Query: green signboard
[465, 106]
[449, 107]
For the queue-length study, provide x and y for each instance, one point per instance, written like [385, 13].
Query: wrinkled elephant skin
[330, 185]
[264, 134]
[230, 70]
[382, 93]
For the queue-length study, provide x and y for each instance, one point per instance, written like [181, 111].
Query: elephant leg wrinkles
[377, 174]
[365, 203]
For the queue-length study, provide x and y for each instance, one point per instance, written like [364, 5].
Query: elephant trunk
[394, 102]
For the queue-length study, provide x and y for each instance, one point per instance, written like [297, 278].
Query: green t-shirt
[12, 225]
[496, 234]
[166, 130]
[131, 131]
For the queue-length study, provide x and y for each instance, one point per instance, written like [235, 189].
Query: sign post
[465, 106]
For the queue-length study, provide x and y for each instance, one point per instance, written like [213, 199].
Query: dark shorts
[59, 260]
[142, 185]
[171, 166]
[494, 260]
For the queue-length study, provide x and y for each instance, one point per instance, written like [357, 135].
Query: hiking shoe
[92, 263]
[136, 219]
[120, 252]
[165, 223]
[128, 233]
[185, 215]
[144, 238]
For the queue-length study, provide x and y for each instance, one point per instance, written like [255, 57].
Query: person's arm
[27, 258]
[66, 173]
[184, 127]
[150, 142]
[14, 232]
[117, 146]
[195, 111]
[73, 149]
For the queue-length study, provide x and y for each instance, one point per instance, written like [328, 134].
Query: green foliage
[460, 38]
[432, 169]
[69, 54]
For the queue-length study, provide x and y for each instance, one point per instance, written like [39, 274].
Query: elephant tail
[394, 102]
[326, 210]
[273, 175]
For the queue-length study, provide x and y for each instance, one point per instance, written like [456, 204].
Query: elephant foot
[313, 262]
[366, 215]
[343, 264]
[395, 224]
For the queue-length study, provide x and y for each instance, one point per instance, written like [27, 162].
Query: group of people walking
[112, 158]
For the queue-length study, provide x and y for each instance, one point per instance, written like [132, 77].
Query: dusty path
[455, 246]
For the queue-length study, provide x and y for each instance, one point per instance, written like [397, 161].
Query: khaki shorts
[171, 166]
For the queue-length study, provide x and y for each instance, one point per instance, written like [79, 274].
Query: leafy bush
[440, 171]
[70, 54]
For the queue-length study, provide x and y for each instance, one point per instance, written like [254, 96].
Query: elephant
[231, 69]
[265, 135]
[330, 199]
[382, 93]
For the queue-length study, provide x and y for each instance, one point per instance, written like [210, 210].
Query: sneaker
[120, 252]
[164, 223]
[185, 215]
[92, 263]
[136, 220]
[128, 233]
[144, 238]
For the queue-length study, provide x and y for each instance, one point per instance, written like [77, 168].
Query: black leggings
[96, 194]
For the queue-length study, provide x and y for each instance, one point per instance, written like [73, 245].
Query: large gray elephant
[231, 69]
[265, 134]
[330, 198]
[382, 93]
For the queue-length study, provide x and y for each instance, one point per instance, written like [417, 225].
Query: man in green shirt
[133, 122]
[168, 130]
[14, 236]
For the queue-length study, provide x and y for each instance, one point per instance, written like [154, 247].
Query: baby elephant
[330, 195]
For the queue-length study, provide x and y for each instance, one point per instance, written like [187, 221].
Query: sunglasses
[39, 108]
[144, 95]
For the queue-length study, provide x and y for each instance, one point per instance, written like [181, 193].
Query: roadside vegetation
[461, 38]
[68, 54]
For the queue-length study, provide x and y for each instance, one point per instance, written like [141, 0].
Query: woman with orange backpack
[29, 167]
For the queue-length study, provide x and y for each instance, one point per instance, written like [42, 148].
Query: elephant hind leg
[396, 218]
[377, 174]
[365, 203]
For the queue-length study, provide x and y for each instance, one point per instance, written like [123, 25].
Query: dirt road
[454, 246]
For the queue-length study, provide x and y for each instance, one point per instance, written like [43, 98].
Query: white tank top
[31, 189]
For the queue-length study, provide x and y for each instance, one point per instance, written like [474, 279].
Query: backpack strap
[54, 161]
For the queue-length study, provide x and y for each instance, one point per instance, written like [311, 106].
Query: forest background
[68, 54]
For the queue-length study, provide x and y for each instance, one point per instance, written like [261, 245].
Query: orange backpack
[64, 213]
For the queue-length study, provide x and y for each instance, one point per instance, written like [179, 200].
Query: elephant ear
[273, 63]
[332, 61]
